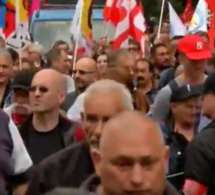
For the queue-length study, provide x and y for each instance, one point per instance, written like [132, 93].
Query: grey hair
[38, 47]
[111, 85]
[6, 53]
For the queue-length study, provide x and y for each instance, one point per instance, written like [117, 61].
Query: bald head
[51, 77]
[86, 62]
[47, 92]
[131, 124]
[131, 156]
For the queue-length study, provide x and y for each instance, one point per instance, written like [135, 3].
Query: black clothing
[93, 181]
[69, 101]
[67, 168]
[200, 158]
[41, 145]
[49, 143]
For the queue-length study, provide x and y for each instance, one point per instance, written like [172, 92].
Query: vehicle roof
[64, 14]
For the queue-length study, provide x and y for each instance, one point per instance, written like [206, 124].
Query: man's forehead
[105, 106]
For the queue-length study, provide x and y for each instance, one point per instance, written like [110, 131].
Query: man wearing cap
[20, 108]
[200, 157]
[178, 128]
[193, 55]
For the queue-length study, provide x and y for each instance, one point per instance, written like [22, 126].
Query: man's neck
[193, 78]
[45, 122]
[186, 129]
[145, 88]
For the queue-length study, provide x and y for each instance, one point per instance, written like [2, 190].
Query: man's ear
[96, 157]
[96, 76]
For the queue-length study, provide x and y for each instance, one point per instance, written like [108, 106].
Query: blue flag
[2, 12]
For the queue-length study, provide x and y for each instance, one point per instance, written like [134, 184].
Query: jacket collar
[64, 126]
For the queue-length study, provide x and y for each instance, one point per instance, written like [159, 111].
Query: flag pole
[78, 36]
[161, 18]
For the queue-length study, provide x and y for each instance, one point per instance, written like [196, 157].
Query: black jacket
[93, 181]
[200, 158]
[67, 168]
[66, 127]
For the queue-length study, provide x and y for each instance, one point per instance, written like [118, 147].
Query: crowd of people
[114, 123]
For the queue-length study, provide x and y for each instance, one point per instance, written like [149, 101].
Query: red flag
[211, 21]
[211, 5]
[111, 11]
[187, 14]
[9, 26]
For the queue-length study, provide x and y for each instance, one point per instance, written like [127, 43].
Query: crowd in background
[102, 123]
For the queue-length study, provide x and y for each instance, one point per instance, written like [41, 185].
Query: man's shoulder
[205, 139]
[3, 116]
[62, 158]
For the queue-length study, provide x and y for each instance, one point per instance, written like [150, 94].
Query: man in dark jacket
[72, 166]
[45, 131]
[128, 162]
[200, 158]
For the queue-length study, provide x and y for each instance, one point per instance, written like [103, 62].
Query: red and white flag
[132, 24]
[111, 11]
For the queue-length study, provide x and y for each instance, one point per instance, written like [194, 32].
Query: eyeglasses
[82, 72]
[42, 89]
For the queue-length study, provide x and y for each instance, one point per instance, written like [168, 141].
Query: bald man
[132, 157]
[85, 73]
[45, 131]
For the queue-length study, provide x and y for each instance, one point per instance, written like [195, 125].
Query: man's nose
[137, 176]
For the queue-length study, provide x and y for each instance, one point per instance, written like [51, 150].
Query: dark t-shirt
[43, 144]
[200, 158]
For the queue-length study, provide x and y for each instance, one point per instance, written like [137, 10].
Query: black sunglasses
[83, 72]
[42, 89]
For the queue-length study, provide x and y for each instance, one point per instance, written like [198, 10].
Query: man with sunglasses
[85, 73]
[46, 131]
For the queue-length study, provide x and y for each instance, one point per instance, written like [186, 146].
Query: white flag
[199, 19]
[177, 28]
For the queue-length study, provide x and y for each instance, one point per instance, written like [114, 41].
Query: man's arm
[21, 162]
[160, 108]
[199, 170]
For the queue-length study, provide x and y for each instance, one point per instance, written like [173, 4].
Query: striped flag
[81, 27]
[131, 25]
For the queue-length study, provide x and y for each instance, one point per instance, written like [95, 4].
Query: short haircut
[52, 55]
[155, 47]
[110, 85]
[97, 54]
[6, 53]
[38, 48]
[151, 66]
[113, 56]
[59, 42]
[14, 54]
